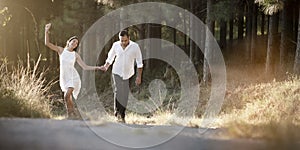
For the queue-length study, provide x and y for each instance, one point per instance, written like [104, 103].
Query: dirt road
[45, 134]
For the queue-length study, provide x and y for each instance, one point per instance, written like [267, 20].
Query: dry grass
[255, 106]
[23, 91]
[260, 107]
[265, 102]
[163, 118]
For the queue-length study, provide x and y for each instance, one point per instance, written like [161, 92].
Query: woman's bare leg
[69, 102]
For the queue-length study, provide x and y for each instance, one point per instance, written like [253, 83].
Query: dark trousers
[121, 91]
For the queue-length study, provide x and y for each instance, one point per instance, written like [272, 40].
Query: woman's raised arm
[56, 48]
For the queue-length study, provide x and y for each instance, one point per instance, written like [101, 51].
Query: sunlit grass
[259, 107]
[265, 102]
[23, 91]
[254, 107]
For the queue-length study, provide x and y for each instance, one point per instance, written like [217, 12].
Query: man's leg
[114, 87]
[124, 98]
[121, 91]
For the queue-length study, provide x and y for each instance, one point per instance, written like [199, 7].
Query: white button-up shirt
[124, 59]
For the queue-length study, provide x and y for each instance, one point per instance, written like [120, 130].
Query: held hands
[103, 68]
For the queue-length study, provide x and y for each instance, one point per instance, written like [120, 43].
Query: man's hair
[124, 33]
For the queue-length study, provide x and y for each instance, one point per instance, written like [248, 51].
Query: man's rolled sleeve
[139, 59]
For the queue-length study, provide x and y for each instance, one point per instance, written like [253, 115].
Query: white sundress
[68, 76]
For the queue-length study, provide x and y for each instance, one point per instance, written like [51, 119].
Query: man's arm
[139, 62]
[110, 58]
[105, 66]
[138, 80]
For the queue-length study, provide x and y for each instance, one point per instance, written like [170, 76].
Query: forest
[258, 40]
[264, 31]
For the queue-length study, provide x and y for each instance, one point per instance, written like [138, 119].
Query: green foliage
[270, 7]
[223, 10]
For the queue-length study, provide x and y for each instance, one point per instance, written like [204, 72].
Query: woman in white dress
[69, 79]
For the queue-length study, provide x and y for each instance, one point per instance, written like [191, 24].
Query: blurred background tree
[259, 31]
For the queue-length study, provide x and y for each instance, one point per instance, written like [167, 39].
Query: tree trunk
[185, 36]
[253, 34]
[262, 26]
[268, 23]
[212, 27]
[272, 47]
[223, 33]
[147, 47]
[142, 35]
[207, 50]
[231, 24]
[297, 56]
[191, 43]
[4, 46]
[241, 21]
[199, 37]
[155, 32]
[23, 42]
[174, 42]
[286, 34]
[231, 31]
[296, 20]
[249, 30]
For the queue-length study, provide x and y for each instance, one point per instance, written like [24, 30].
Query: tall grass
[263, 109]
[23, 90]
[265, 102]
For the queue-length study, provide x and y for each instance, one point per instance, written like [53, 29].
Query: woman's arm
[83, 65]
[58, 49]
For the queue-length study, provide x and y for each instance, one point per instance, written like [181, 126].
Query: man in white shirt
[122, 55]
